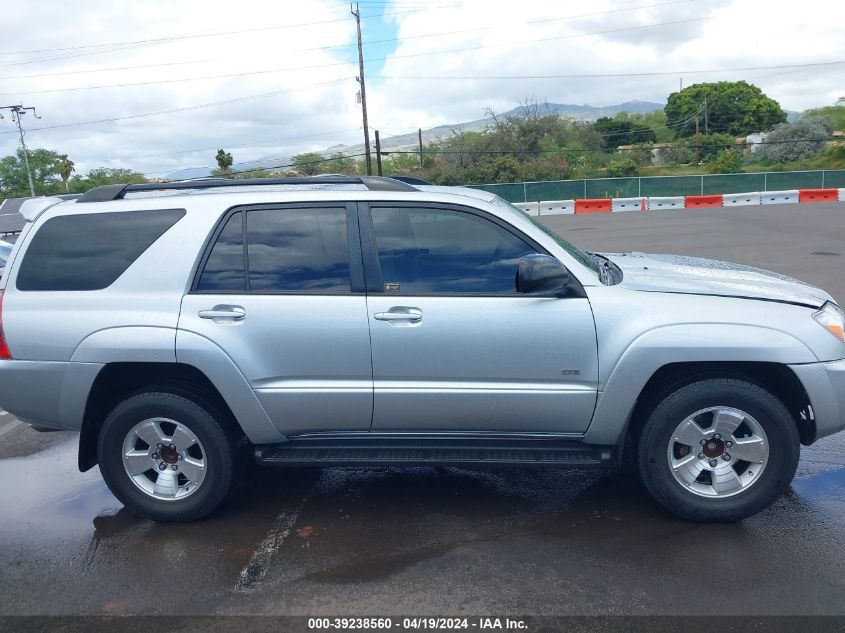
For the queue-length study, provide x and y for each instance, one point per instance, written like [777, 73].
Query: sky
[160, 85]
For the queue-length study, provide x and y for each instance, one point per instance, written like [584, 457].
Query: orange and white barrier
[593, 205]
[779, 197]
[557, 207]
[531, 208]
[654, 203]
[818, 195]
[628, 204]
[697, 202]
[665, 202]
[741, 199]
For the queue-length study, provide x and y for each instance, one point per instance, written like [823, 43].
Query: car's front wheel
[167, 456]
[718, 450]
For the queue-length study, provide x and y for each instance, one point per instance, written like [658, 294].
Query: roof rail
[106, 193]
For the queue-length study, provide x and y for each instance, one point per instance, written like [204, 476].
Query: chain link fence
[666, 185]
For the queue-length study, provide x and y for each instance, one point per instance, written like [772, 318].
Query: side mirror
[542, 275]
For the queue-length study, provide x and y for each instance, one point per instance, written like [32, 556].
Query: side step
[421, 452]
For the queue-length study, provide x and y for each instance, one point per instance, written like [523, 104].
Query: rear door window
[288, 250]
[90, 251]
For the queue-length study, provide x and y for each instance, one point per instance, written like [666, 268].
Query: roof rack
[106, 193]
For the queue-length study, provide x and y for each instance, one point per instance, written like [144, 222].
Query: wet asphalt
[445, 540]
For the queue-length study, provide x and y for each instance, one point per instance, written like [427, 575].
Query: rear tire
[684, 451]
[168, 456]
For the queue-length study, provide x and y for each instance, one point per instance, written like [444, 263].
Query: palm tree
[66, 167]
[224, 160]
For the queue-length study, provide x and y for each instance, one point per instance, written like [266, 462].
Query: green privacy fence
[666, 185]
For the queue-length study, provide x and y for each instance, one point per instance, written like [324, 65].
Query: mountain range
[408, 141]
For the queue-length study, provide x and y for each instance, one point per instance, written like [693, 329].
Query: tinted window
[90, 251]
[224, 269]
[298, 250]
[441, 251]
[5, 251]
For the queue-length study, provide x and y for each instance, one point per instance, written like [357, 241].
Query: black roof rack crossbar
[106, 193]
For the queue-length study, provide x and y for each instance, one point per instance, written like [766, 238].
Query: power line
[187, 108]
[328, 47]
[333, 64]
[93, 49]
[615, 75]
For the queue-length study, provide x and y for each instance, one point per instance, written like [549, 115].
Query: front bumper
[825, 386]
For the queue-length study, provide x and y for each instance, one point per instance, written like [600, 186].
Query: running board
[421, 452]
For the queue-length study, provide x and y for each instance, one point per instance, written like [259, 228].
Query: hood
[695, 275]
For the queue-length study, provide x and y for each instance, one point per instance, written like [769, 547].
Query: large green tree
[44, 166]
[618, 131]
[729, 107]
[105, 176]
[224, 161]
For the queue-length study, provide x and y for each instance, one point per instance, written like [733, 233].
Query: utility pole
[419, 134]
[357, 13]
[17, 112]
[378, 154]
[706, 122]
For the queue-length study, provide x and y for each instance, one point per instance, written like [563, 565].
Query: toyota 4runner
[186, 329]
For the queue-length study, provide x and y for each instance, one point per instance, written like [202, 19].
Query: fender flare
[683, 343]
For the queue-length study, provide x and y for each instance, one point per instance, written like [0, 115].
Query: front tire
[718, 450]
[167, 456]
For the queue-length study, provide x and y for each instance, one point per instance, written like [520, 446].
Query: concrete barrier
[818, 195]
[842, 195]
[531, 208]
[697, 202]
[670, 202]
[789, 196]
[741, 199]
[628, 204]
[557, 207]
[593, 205]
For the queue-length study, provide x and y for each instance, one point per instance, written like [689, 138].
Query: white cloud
[535, 37]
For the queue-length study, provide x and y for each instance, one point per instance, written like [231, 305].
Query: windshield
[583, 258]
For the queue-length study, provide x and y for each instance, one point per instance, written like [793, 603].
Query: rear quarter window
[90, 251]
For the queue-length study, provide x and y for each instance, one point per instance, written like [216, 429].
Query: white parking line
[8, 428]
[261, 558]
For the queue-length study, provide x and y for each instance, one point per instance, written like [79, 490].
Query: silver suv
[188, 329]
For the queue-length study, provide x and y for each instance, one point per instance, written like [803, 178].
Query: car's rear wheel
[718, 450]
[168, 456]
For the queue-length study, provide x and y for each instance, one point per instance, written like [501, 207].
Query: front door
[281, 292]
[455, 346]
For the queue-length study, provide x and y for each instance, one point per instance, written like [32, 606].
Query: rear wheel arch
[118, 381]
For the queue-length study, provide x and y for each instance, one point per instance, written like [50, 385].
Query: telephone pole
[17, 112]
[378, 154]
[357, 13]
[419, 135]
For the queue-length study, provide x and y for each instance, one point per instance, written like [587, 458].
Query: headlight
[832, 318]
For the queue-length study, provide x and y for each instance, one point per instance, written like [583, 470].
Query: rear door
[455, 346]
[280, 290]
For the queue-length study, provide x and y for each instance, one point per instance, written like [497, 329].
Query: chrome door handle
[234, 313]
[407, 314]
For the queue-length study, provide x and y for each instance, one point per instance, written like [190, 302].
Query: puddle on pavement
[368, 526]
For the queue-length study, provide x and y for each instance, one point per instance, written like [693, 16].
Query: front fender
[683, 343]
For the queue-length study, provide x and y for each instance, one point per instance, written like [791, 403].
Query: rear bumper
[47, 394]
[825, 386]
